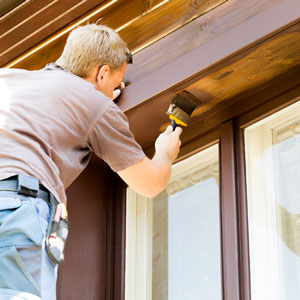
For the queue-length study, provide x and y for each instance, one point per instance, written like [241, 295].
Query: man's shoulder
[64, 81]
[7, 71]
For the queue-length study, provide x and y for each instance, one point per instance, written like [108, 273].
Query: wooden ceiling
[221, 51]
[139, 22]
[35, 20]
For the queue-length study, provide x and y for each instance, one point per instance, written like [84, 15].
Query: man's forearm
[148, 177]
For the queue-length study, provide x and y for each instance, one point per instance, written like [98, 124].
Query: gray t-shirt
[51, 121]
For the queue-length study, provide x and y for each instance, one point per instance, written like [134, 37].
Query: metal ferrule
[178, 113]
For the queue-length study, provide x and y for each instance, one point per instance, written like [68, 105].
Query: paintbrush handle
[174, 125]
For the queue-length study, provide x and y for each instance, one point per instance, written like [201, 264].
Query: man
[50, 122]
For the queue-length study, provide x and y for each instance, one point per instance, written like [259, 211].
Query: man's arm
[149, 177]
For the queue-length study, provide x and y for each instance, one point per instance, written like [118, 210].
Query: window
[225, 227]
[173, 240]
[273, 179]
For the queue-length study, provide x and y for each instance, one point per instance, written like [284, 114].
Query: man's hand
[149, 177]
[167, 144]
[117, 91]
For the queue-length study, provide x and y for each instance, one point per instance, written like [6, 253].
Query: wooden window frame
[233, 201]
[223, 135]
[278, 103]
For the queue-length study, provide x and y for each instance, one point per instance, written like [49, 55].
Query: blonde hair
[91, 46]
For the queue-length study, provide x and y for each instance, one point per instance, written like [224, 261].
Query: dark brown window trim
[116, 239]
[229, 220]
[110, 251]
[242, 210]
[120, 239]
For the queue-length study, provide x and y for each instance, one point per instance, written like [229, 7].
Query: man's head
[97, 54]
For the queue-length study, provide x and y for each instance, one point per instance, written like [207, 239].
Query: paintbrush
[181, 108]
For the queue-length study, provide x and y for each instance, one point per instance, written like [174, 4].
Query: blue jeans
[26, 272]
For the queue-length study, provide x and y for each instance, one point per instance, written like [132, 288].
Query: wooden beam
[164, 20]
[189, 53]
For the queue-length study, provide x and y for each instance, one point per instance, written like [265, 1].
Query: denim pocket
[20, 226]
[9, 203]
[20, 230]
[13, 274]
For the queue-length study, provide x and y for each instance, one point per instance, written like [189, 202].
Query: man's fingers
[116, 93]
[169, 129]
[178, 131]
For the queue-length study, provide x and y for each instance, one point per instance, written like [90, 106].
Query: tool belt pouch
[56, 234]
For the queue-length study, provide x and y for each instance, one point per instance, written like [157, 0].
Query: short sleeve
[111, 139]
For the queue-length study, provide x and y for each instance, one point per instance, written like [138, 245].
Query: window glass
[273, 193]
[176, 235]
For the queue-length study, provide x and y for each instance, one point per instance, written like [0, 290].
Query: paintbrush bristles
[184, 103]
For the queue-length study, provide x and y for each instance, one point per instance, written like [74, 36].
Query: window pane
[193, 232]
[183, 244]
[273, 190]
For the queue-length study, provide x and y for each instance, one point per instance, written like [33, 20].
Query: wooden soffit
[236, 51]
[139, 22]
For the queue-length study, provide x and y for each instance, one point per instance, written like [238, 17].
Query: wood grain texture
[195, 34]
[250, 70]
[138, 22]
[8, 6]
[35, 21]
[164, 20]
[243, 80]
[168, 72]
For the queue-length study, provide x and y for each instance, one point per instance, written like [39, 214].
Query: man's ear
[103, 70]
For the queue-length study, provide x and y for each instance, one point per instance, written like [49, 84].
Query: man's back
[45, 116]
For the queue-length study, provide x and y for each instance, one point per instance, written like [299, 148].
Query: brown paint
[119, 192]
[242, 208]
[194, 62]
[164, 20]
[91, 269]
[195, 34]
[262, 64]
[230, 258]
[151, 112]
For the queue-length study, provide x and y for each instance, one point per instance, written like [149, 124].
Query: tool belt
[58, 226]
